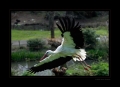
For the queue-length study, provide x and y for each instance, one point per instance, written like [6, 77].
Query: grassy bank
[30, 34]
[100, 68]
[26, 55]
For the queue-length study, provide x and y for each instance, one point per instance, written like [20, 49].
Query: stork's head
[47, 53]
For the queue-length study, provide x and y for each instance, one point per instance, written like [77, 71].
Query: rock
[44, 73]
[70, 63]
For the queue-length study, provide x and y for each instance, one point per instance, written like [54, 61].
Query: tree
[51, 23]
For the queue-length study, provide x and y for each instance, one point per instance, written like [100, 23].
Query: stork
[72, 47]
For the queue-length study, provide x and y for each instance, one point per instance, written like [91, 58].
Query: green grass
[21, 55]
[100, 69]
[102, 30]
[30, 34]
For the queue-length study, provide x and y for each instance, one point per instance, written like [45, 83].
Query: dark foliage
[90, 38]
[35, 44]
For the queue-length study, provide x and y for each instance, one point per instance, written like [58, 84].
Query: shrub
[35, 44]
[97, 54]
[103, 44]
[90, 38]
[100, 69]
[100, 52]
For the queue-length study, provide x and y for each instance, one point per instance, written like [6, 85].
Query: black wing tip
[70, 23]
[60, 28]
[65, 23]
[50, 65]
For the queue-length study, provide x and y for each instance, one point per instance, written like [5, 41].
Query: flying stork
[72, 47]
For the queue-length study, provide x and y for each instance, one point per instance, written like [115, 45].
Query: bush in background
[101, 51]
[90, 38]
[35, 44]
[97, 54]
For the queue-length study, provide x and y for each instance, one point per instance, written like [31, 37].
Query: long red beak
[44, 56]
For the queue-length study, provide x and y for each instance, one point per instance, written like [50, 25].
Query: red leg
[84, 61]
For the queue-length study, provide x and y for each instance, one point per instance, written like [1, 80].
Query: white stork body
[65, 49]
[71, 47]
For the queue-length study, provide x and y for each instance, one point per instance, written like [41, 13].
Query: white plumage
[65, 49]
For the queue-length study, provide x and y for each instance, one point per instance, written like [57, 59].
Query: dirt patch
[26, 17]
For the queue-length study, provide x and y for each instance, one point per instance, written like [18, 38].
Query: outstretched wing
[68, 25]
[49, 65]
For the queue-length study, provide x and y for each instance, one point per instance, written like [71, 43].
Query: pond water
[20, 67]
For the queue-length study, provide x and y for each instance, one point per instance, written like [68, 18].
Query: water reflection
[18, 68]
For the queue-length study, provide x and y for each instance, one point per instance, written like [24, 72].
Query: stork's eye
[47, 52]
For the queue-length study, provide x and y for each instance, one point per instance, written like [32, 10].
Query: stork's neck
[62, 41]
[59, 48]
[51, 52]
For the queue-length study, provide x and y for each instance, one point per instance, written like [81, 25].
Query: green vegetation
[97, 54]
[77, 70]
[27, 73]
[34, 50]
[102, 30]
[31, 34]
[100, 68]
[26, 55]
[35, 44]
[90, 38]
[100, 50]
